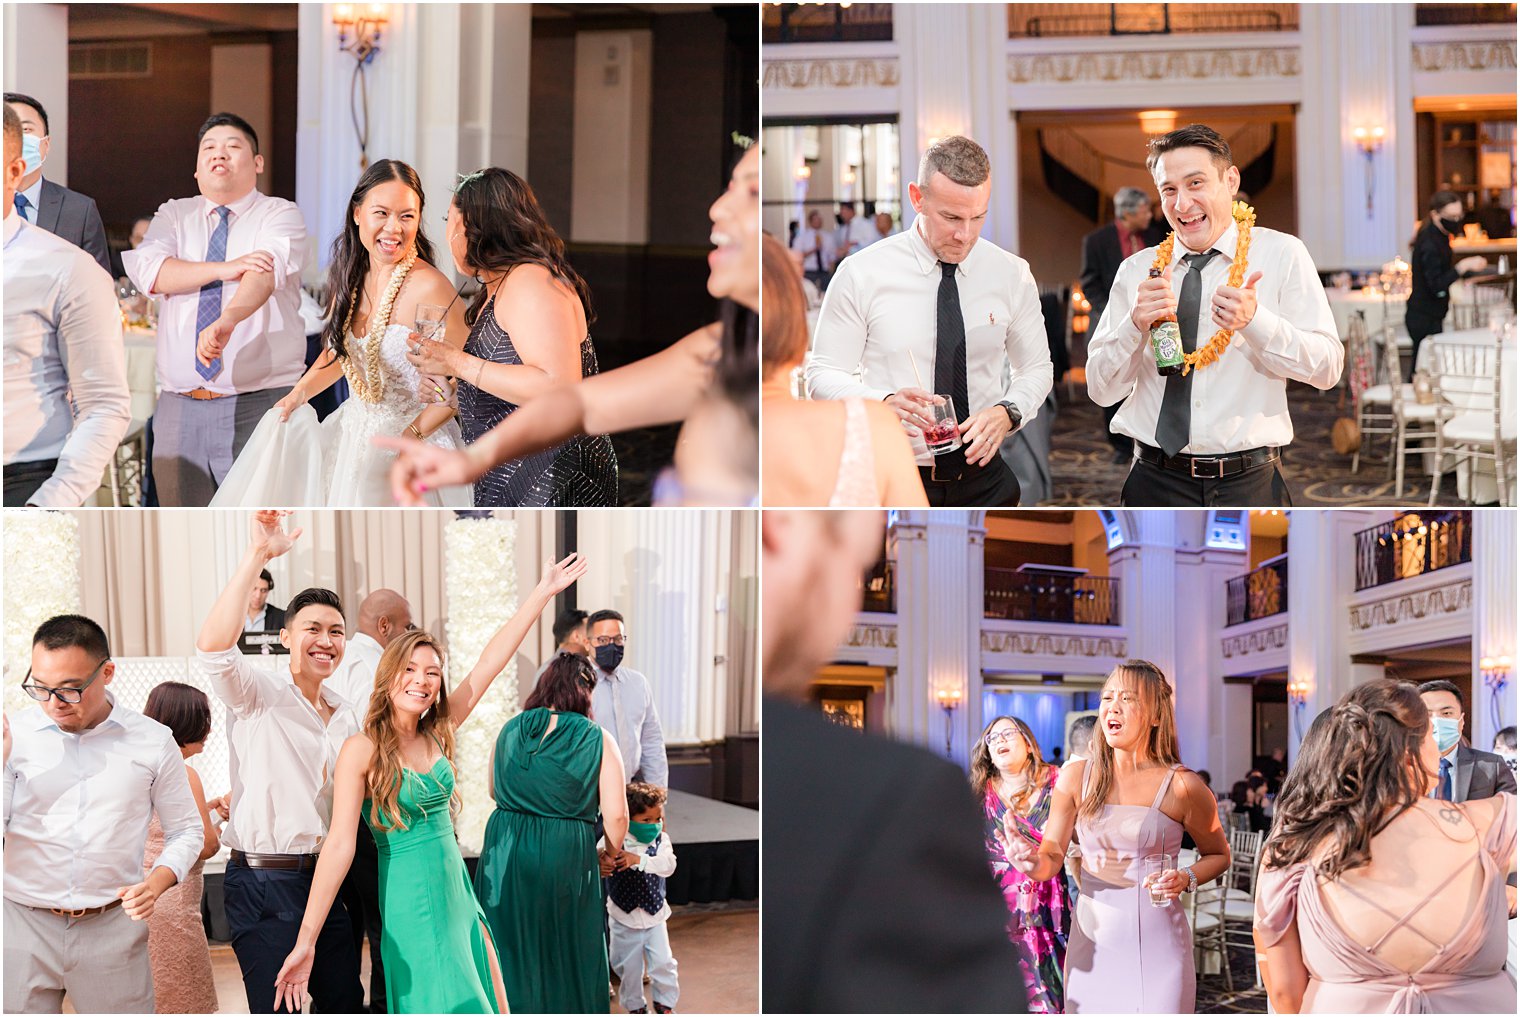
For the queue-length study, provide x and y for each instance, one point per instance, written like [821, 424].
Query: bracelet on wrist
[416, 432]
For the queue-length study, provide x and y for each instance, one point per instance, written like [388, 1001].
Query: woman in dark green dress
[552, 772]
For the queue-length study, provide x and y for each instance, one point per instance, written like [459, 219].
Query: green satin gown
[432, 936]
[538, 876]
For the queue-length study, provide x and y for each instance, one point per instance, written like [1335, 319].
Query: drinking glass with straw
[943, 434]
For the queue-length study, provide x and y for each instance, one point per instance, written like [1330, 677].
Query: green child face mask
[644, 833]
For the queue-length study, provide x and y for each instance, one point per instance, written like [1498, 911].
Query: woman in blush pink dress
[1374, 898]
[1130, 799]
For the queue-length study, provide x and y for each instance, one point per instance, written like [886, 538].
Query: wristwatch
[1015, 418]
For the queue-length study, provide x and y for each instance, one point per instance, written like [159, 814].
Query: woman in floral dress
[1009, 772]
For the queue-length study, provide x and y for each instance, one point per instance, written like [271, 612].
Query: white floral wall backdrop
[41, 580]
[480, 577]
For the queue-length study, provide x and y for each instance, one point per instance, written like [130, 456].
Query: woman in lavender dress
[1016, 786]
[1129, 800]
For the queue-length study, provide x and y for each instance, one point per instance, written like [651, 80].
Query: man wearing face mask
[1466, 774]
[60, 211]
[1432, 272]
[623, 702]
[226, 266]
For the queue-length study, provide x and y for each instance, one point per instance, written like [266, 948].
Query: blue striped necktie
[211, 294]
[22, 205]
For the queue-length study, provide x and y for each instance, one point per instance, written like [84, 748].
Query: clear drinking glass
[944, 435]
[429, 322]
[1155, 867]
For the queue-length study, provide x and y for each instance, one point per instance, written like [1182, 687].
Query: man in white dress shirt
[817, 248]
[937, 305]
[67, 405]
[83, 778]
[623, 702]
[854, 234]
[285, 735]
[1215, 436]
[227, 265]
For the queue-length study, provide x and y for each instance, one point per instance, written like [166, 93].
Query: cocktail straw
[915, 369]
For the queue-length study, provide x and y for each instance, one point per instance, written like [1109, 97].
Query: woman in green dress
[400, 771]
[552, 772]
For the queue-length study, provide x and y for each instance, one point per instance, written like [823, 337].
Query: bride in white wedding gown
[380, 274]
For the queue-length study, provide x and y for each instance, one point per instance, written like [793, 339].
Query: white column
[496, 49]
[610, 175]
[37, 64]
[1493, 615]
[1200, 612]
[667, 573]
[1143, 565]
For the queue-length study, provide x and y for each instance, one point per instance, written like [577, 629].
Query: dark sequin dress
[582, 471]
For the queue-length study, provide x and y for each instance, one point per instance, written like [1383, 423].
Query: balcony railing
[1260, 593]
[1051, 597]
[1412, 544]
[826, 23]
[1464, 14]
[880, 596]
[1045, 20]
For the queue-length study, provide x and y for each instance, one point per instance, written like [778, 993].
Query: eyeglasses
[609, 641]
[999, 737]
[41, 693]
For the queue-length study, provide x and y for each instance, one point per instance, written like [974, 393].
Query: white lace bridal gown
[301, 462]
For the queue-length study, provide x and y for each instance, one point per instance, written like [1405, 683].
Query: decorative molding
[1151, 66]
[1486, 55]
[867, 636]
[1051, 644]
[1260, 641]
[848, 72]
[1452, 598]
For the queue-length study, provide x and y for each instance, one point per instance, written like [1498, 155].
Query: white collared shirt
[882, 304]
[808, 238]
[268, 348]
[66, 394]
[77, 808]
[255, 623]
[623, 703]
[354, 678]
[283, 756]
[1241, 400]
[859, 231]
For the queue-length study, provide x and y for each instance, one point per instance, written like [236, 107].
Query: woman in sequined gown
[528, 334]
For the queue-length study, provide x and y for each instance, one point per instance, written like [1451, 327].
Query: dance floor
[1083, 471]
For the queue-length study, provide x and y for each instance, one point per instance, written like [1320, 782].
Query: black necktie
[950, 344]
[1176, 418]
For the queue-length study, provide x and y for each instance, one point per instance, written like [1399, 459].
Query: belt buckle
[70, 912]
[1217, 463]
[936, 478]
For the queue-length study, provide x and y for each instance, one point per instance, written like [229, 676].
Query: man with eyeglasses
[623, 702]
[83, 778]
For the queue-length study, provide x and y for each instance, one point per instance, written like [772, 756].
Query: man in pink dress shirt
[227, 265]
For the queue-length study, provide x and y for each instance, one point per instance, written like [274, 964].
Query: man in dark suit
[1103, 251]
[878, 894]
[263, 621]
[60, 211]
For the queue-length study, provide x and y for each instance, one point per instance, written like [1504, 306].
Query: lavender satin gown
[1125, 955]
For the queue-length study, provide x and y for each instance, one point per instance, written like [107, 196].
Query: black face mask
[1451, 225]
[609, 657]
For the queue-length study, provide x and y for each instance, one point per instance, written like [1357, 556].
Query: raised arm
[557, 576]
[612, 792]
[1049, 858]
[267, 541]
[332, 865]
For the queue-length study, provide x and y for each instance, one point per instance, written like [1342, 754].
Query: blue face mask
[1448, 732]
[31, 148]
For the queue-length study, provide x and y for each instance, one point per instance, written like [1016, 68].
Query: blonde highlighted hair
[1155, 695]
[385, 769]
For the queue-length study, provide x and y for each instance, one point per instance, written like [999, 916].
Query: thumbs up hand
[1234, 308]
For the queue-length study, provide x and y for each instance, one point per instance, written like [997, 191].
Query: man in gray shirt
[623, 702]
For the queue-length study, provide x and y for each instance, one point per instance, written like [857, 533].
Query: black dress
[582, 471]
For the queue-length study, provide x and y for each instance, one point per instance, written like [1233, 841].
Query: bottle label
[1166, 342]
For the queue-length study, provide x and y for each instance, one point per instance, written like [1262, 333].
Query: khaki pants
[101, 961]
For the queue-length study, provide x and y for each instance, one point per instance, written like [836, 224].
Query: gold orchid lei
[1245, 218]
[368, 383]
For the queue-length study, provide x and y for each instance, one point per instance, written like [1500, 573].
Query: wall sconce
[1369, 140]
[804, 172]
[1158, 121]
[848, 176]
[1496, 672]
[949, 701]
[1298, 698]
[360, 27]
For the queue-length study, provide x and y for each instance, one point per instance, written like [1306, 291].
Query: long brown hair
[1357, 770]
[385, 776]
[783, 333]
[984, 770]
[1156, 700]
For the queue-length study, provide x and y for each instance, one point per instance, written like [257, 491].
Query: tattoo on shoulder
[1451, 815]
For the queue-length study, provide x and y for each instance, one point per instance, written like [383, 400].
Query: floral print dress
[1039, 913]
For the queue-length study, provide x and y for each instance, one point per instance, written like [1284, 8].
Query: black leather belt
[301, 863]
[1209, 467]
[950, 468]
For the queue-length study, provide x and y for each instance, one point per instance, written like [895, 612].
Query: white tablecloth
[1345, 303]
[142, 371]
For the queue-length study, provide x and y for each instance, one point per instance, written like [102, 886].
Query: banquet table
[1345, 303]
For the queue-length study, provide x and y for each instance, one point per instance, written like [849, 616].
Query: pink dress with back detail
[1465, 975]
[1125, 955]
